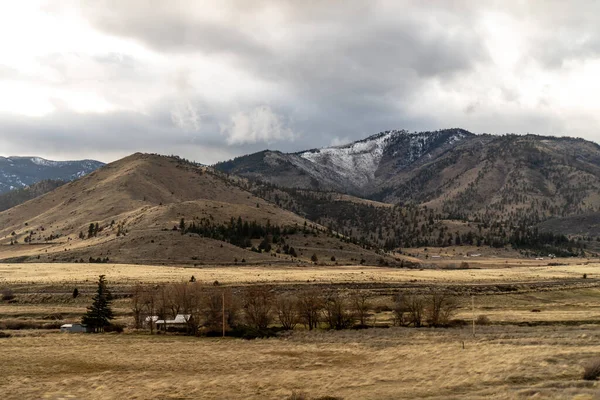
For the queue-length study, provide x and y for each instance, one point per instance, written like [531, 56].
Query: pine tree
[99, 313]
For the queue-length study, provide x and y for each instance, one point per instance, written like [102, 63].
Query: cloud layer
[104, 79]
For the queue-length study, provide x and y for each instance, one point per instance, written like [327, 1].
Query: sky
[211, 80]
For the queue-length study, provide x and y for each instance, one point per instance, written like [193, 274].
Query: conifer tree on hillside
[99, 313]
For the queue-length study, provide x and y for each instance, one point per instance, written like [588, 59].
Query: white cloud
[340, 141]
[261, 124]
[186, 116]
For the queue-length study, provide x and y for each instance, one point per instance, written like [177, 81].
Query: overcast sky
[216, 79]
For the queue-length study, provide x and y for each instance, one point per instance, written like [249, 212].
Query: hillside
[15, 197]
[464, 176]
[449, 187]
[20, 172]
[138, 204]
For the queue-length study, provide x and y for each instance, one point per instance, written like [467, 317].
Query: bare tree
[258, 306]
[401, 317]
[337, 313]
[149, 302]
[287, 312]
[309, 306]
[212, 309]
[440, 308]
[360, 306]
[415, 305]
[137, 305]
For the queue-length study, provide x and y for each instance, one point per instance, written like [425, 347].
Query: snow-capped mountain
[357, 168]
[19, 172]
[358, 162]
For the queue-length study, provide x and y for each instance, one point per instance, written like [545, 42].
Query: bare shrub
[483, 320]
[309, 306]
[287, 312]
[591, 371]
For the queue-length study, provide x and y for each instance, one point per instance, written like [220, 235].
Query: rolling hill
[131, 211]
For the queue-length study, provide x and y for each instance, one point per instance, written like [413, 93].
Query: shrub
[118, 328]
[4, 335]
[483, 320]
[7, 295]
[591, 371]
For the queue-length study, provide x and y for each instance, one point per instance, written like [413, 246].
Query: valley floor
[545, 325]
[499, 362]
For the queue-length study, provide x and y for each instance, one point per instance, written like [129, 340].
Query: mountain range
[393, 190]
[20, 172]
[464, 175]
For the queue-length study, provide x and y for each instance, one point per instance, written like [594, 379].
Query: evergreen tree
[99, 313]
[91, 230]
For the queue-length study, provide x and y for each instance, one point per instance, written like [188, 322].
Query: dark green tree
[182, 226]
[91, 230]
[99, 313]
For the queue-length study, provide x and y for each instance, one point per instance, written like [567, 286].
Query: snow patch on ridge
[356, 161]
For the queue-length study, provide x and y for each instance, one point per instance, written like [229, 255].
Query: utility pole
[223, 312]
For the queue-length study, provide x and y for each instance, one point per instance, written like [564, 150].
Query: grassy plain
[500, 362]
[545, 326]
[482, 272]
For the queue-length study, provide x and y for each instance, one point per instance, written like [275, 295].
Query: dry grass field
[484, 272]
[503, 363]
[543, 330]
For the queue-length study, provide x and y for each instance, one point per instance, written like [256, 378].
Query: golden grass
[64, 272]
[505, 363]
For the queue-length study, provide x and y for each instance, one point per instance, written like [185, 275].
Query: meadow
[537, 339]
[499, 362]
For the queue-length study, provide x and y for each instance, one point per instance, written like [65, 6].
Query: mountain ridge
[22, 171]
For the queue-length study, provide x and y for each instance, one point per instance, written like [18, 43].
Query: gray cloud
[294, 75]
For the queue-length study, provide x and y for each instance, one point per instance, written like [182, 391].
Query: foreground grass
[501, 362]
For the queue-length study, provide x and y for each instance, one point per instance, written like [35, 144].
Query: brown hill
[138, 203]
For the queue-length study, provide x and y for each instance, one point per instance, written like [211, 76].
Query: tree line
[261, 310]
